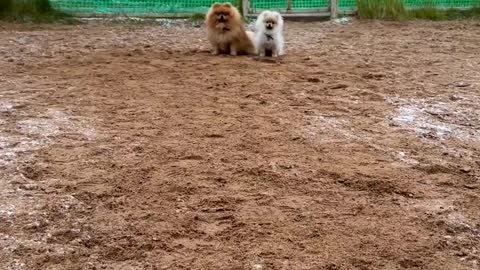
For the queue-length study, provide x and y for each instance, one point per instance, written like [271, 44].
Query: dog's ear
[216, 5]
[227, 4]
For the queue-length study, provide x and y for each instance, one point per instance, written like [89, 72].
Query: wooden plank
[320, 14]
[333, 9]
[245, 7]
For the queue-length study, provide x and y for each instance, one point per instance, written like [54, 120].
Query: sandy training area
[131, 147]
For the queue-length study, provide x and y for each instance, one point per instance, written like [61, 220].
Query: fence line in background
[178, 8]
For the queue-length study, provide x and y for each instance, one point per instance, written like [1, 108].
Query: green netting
[348, 5]
[345, 5]
[281, 5]
[133, 7]
[177, 7]
[441, 3]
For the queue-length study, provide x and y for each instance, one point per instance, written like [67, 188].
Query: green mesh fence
[442, 3]
[347, 5]
[350, 5]
[133, 7]
[296, 5]
[186, 7]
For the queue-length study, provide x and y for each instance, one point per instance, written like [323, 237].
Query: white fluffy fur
[269, 39]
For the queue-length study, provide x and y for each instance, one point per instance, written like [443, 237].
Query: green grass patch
[429, 13]
[396, 10]
[37, 11]
[436, 14]
[455, 14]
[197, 17]
[381, 9]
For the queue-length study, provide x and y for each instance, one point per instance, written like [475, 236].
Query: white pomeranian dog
[269, 37]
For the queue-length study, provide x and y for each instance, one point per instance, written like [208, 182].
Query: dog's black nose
[269, 27]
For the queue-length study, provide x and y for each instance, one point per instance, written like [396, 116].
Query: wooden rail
[331, 12]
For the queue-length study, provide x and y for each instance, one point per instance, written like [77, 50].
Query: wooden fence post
[245, 7]
[333, 9]
[289, 6]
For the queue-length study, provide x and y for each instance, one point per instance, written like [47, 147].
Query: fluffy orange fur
[226, 32]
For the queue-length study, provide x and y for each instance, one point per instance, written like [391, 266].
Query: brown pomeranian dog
[226, 32]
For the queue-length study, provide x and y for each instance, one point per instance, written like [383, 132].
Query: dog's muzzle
[222, 18]
[269, 25]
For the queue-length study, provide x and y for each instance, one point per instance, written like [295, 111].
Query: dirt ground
[131, 147]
